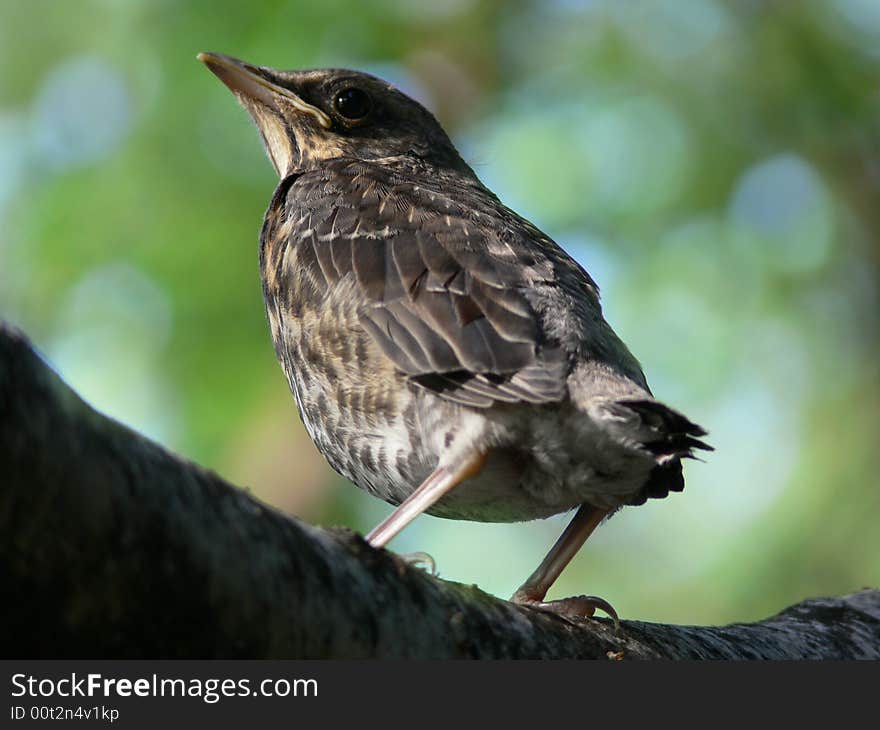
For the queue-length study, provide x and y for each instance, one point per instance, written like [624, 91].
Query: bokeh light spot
[81, 113]
[111, 329]
[782, 204]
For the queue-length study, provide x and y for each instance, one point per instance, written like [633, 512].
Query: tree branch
[110, 546]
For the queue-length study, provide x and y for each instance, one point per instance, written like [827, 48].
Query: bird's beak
[271, 106]
[252, 82]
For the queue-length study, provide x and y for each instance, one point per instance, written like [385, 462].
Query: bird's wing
[441, 290]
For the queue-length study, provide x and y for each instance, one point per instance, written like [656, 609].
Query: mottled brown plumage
[433, 337]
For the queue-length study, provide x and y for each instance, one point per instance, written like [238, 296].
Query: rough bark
[110, 546]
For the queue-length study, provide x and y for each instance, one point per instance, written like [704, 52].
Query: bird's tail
[670, 437]
[666, 433]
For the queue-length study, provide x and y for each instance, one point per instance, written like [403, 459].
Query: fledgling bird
[445, 354]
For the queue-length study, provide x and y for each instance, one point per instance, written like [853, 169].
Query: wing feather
[440, 290]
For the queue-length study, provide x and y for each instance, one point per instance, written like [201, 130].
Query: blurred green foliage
[715, 165]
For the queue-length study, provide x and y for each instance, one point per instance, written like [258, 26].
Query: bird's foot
[577, 606]
[419, 560]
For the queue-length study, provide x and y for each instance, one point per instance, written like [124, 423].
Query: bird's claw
[576, 606]
[419, 560]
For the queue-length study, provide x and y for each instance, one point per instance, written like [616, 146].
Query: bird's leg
[441, 481]
[533, 591]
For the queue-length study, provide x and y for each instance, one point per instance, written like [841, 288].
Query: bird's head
[308, 117]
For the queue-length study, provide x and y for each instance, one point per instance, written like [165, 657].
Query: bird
[445, 355]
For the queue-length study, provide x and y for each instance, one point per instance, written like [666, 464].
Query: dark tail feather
[669, 433]
[663, 479]
[670, 437]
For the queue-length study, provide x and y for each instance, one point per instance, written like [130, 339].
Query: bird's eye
[353, 103]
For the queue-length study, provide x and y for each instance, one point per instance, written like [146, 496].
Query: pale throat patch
[276, 141]
[281, 149]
